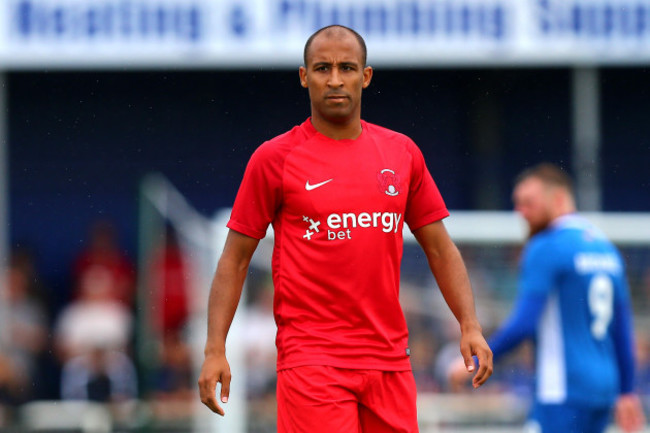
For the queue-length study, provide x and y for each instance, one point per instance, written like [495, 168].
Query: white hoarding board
[231, 33]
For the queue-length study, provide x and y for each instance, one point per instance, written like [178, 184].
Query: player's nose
[335, 78]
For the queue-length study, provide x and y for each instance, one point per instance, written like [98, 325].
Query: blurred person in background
[643, 368]
[12, 386]
[94, 319]
[418, 302]
[103, 251]
[92, 339]
[259, 342]
[423, 349]
[27, 328]
[171, 382]
[169, 287]
[172, 394]
[260, 356]
[573, 301]
[101, 375]
[343, 356]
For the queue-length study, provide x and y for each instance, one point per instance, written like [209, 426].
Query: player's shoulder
[540, 244]
[282, 144]
[390, 135]
[576, 229]
[290, 138]
[566, 236]
[549, 246]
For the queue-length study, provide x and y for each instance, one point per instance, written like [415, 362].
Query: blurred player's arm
[449, 270]
[520, 325]
[224, 297]
[628, 410]
[535, 282]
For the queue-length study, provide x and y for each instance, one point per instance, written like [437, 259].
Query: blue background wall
[80, 142]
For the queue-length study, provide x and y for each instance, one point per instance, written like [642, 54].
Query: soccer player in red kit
[338, 191]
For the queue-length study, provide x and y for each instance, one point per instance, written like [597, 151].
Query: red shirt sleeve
[260, 193]
[425, 204]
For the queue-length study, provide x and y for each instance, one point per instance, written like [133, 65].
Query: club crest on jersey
[389, 182]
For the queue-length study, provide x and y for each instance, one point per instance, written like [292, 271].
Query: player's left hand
[472, 343]
[629, 413]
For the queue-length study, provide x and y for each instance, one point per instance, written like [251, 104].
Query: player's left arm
[449, 270]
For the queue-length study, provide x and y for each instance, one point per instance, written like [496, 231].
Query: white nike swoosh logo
[309, 187]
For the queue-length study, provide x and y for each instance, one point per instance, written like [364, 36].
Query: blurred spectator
[259, 342]
[416, 303]
[174, 375]
[12, 383]
[170, 374]
[104, 252]
[93, 334]
[94, 319]
[423, 355]
[260, 355]
[643, 363]
[173, 391]
[169, 287]
[26, 321]
[99, 375]
[445, 359]
[22, 259]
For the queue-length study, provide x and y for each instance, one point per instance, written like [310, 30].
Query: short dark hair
[362, 43]
[549, 174]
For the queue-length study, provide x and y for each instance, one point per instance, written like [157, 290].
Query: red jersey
[338, 208]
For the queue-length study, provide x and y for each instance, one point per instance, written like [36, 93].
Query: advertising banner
[271, 33]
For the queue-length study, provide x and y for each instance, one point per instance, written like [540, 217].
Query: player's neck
[565, 208]
[563, 204]
[348, 130]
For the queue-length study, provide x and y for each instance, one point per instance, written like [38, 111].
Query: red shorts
[323, 399]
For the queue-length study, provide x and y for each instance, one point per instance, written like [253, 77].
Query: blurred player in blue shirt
[573, 302]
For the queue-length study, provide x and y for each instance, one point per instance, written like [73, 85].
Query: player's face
[534, 200]
[335, 77]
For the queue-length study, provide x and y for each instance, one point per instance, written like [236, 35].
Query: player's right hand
[215, 369]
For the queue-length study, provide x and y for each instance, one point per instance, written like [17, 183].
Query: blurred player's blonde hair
[549, 174]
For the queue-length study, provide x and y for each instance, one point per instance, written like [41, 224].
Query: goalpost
[490, 243]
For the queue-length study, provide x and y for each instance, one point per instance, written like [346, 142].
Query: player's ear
[302, 72]
[367, 76]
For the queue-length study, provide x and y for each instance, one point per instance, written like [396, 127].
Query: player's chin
[337, 109]
[338, 115]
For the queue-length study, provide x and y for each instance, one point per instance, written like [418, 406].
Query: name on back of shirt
[588, 263]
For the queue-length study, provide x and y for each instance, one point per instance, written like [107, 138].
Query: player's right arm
[222, 303]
